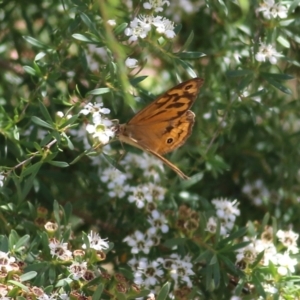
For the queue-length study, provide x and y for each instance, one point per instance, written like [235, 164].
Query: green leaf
[60, 164]
[39, 56]
[35, 42]
[69, 142]
[82, 38]
[275, 76]
[120, 28]
[239, 73]
[283, 41]
[188, 41]
[12, 239]
[56, 211]
[64, 282]
[28, 276]
[33, 169]
[190, 55]
[235, 235]
[279, 86]
[22, 242]
[45, 112]
[99, 91]
[205, 256]
[4, 243]
[19, 284]
[134, 81]
[30, 70]
[98, 293]
[88, 22]
[41, 122]
[187, 67]
[170, 243]
[164, 292]
[68, 122]
[265, 220]
[258, 286]
[185, 184]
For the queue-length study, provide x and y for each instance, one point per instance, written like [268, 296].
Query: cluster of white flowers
[183, 7]
[140, 26]
[284, 263]
[256, 192]
[148, 273]
[142, 194]
[270, 10]
[156, 5]
[101, 128]
[226, 213]
[267, 52]
[180, 269]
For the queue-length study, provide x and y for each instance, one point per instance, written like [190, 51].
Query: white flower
[180, 269]
[112, 23]
[3, 293]
[77, 269]
[118, 190]
[94, 108]
[256, 191]
[247, 254]
[6, 261]
[158, 221]
[2, 178]
[211, 225]
[164, 26]
[141, 195]
[289, 240]
[267, 52]
[226, 212]
[64, 297]
[286, 264]
[151, 272]
[60, 250]
[156, 5]
[101, 131]
[149, 165]
[138, 28]
[100, 128]
[113, 177]
[131, 63]
[270, 9]
[96, 242]
[139, 242]
[157, 192]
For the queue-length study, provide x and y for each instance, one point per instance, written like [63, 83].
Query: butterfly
[164, 124]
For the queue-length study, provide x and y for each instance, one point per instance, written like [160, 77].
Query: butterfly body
[165, 124]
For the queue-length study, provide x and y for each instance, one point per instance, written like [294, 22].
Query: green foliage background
[236, 139]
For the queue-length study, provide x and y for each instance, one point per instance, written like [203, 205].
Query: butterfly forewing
[170, 105]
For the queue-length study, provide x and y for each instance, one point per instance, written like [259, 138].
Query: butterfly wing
[161, 137]
[165, 124]
[170, 105]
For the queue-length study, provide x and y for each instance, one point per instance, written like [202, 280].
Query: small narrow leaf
[41, 122]
[164, 292]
